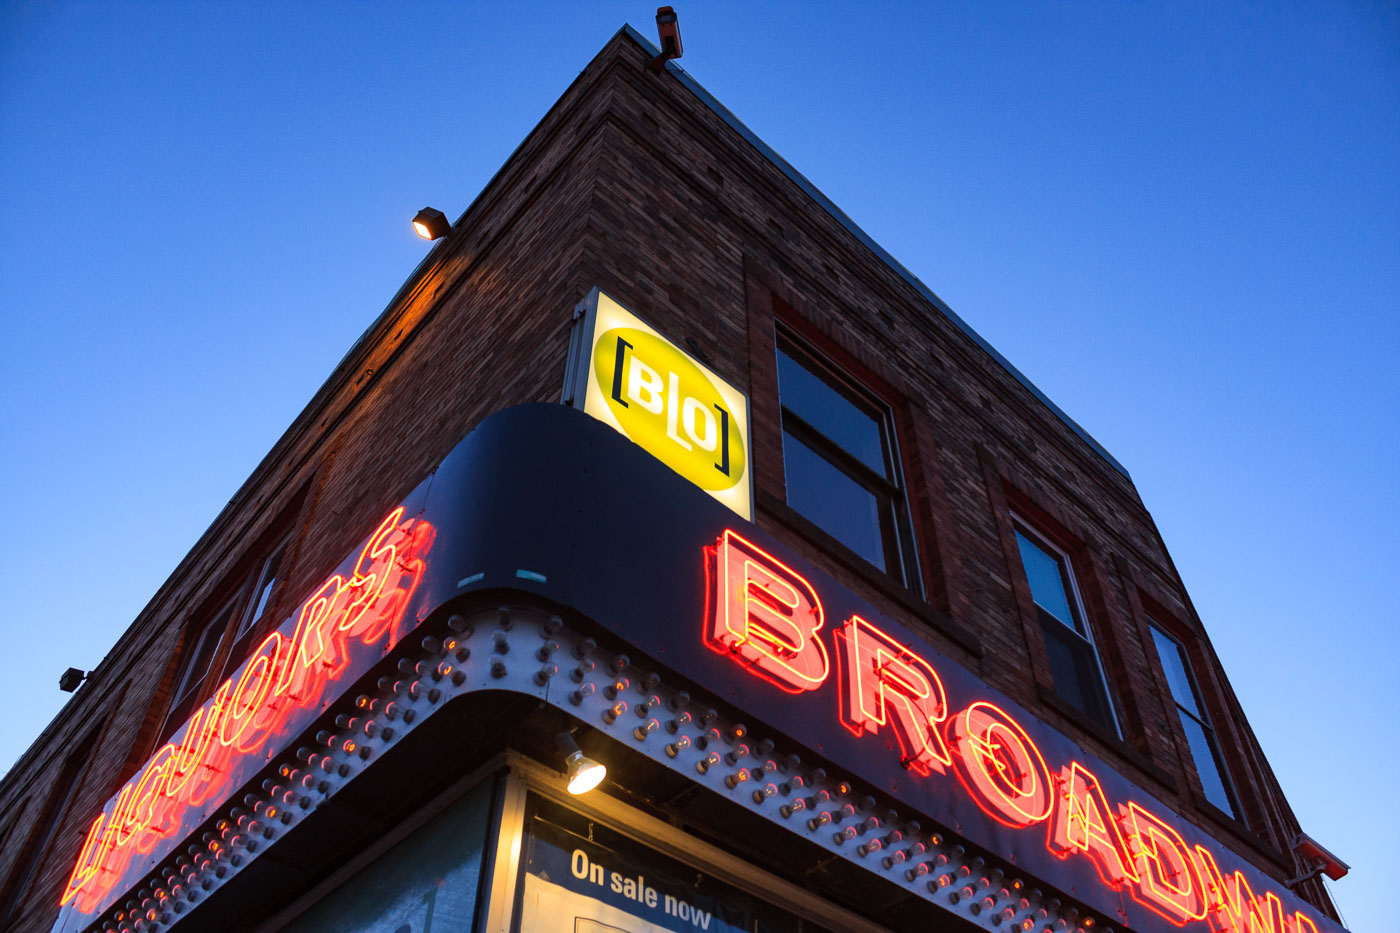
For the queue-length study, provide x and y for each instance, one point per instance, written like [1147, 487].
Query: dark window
[204, 657]
[1074, 661]
[202, 642]
[428, 881]
[1205, 748]
[841, 463]
[263, 588]
[37, 847]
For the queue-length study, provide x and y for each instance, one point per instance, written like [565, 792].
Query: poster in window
[579, 877]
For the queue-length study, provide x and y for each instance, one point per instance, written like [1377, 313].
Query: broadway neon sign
[352, 619]
[769, 618]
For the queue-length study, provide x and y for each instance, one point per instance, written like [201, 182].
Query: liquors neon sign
[355, 616]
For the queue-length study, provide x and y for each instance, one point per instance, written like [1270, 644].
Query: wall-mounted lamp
[71, 679]
[431, 224]
[584, 773]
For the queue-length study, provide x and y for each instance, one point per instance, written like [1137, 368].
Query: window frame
[1156, 628]
[1022, 527]
[188, 690]
[269, 575]
[233, 625]
[897, 541]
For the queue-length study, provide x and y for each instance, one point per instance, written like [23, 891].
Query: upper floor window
[217, 642]
[264, 586]
[841, 463]
[203, 639]
[31, 845]
[1205, 747]
[1069, 642]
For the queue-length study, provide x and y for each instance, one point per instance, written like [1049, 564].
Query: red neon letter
[1232, 906]
[1085, 823]
[371, 574]
[1001, 765]
[190, 769]
[1168, 881]
[147, 799]
[250, 695]
[880, 677]
[288, 673]
[304, 672]
[766, 614]
[89, 859]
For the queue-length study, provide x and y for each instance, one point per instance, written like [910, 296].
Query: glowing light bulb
[584, 773]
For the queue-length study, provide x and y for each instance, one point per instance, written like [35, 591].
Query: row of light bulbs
[627, 704]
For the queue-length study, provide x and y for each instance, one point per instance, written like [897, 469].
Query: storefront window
[577, 876]
[427, 883]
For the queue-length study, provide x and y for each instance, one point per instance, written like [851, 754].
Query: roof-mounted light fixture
[431, 224]
[668, 30]
[584, 773]
[71, 679]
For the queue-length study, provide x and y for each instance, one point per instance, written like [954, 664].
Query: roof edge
[855, 230]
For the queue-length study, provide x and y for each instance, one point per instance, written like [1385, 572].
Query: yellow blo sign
[662, 398]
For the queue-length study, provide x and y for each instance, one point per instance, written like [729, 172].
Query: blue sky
[1182, 221]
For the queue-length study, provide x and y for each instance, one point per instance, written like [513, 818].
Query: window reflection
[835, 502]
[1074, 660]
[1200, 737]
[841, 464]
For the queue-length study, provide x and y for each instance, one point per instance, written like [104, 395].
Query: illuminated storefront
[552, 577]
[795, 739]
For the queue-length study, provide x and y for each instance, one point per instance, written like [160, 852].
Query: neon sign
[768, 617]
[349, 622]
[1001, 766]
[911, 721]
[884, 680]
